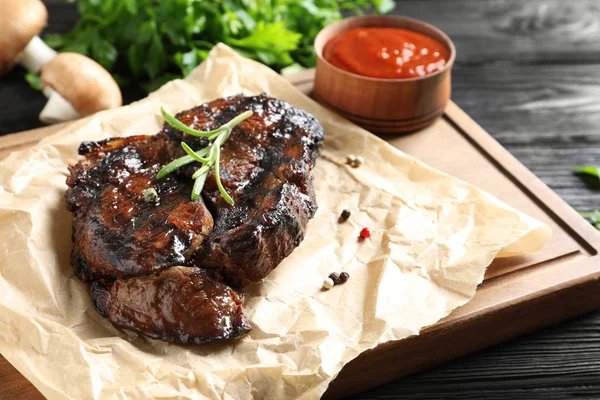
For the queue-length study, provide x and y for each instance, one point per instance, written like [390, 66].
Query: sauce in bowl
[386, 53]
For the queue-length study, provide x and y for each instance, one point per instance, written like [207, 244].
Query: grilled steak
[131, 249]
[180, 304]
[265, 166]
[115, 232]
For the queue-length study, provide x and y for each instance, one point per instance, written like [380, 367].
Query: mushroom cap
[20, 21]
[82, 82]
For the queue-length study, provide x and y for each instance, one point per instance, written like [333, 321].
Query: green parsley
[151, 42]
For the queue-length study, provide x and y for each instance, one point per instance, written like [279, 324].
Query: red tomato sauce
[388, 53]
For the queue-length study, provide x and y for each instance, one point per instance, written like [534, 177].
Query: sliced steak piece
[116, 233]
[265, 166]
[180, 304]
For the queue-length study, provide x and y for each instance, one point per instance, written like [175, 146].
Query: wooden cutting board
[518, 294]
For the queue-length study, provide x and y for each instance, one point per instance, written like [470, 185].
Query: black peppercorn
[344, 276]
[339, 278]
[345, 215]
[334, 277]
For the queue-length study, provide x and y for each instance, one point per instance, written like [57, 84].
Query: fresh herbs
[590, 171]
[593, 216]
[208, 157]
[593, 170]
[34, 80]
[151, 42]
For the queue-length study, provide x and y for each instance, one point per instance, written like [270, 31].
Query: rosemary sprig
[209, 156]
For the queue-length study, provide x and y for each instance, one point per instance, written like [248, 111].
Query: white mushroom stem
[35, 55]
[57, 109]
[77, 86]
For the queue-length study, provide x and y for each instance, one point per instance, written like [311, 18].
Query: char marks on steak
[131, 250]
[265, 166]
[115, 232]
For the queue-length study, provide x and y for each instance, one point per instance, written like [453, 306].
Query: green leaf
[310, 7]
[131, 6]
[177, 124]
[270, 36]
[135, 58]
[292, 69]
[33, 80]
[593, 170]
[146, 32]
[108, 5]
[224, 193]
[269, 57]
[82, 42]
[81, 48]
[189, 60]
[593, 216]
[232, 22]
[151, 86]
[384, 6]
[270, 43]
[247, 21]
[55, 40]
[190, 152]
[156, 59]
[104, 52]
[121, 80]
[150, 41]
[195, 25]
[199, 185]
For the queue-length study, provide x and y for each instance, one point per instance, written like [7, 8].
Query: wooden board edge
[30, 137]
[12, 382]
[552, 204]
[453, 338]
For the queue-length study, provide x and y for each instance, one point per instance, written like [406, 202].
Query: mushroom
[20, 23]
[75, 85]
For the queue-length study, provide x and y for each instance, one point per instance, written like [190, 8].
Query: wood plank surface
[546, 56]
[554, 120]
[514, 31]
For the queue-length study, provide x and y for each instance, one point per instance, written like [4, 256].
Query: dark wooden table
[529, 73]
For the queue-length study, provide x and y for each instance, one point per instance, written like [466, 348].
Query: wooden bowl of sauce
[388, 74]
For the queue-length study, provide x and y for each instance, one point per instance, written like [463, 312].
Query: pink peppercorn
[365, 233]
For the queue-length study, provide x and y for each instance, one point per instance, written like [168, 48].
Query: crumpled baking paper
[432, 238]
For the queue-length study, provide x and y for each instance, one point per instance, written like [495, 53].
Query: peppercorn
[365, 233]
[334, 277]
[358, 162]
[354, 161]
[328, 284]
[343, 278]
[345, 215]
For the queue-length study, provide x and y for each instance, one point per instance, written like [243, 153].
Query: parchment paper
[433, 237]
